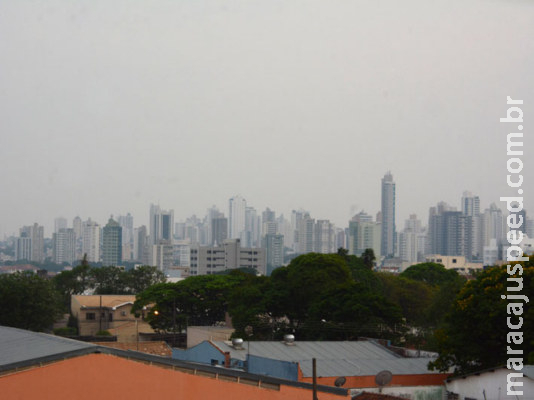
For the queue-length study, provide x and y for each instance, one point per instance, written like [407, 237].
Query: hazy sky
[108, 106]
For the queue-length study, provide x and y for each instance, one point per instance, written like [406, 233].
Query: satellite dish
[340, 381]
[383, 378]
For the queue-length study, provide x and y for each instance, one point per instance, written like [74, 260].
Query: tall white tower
[388, 216]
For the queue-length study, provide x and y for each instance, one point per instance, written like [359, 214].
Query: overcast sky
[108, 106]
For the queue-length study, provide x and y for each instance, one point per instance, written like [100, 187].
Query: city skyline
[139, 221]
[107, 108]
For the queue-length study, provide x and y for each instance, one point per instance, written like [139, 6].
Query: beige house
[109, 313]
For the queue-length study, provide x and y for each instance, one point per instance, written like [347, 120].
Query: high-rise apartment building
[219, 230]
[388, 216]
[36, 234]
[64, 246]
[324, 237]
[60, 223]
[237, 207]
[161, 224]
[112, 243]
[364, 234]
[23, 247]
[140, 252]
[207, 260]
[274, 251]
[91, 240]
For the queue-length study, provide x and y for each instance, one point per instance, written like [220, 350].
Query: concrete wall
[409, 392]
[492, 384]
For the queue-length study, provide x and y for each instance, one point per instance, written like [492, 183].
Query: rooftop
[17, 345]
[108, 301]
[361, 358]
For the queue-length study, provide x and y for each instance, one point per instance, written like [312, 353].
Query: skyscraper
[36, 234]
[388, 216]
[161, 224]
[64, 242]
[91, 240]
[237, 206]
[112, 243]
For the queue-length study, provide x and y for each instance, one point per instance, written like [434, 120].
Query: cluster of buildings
[468, 237]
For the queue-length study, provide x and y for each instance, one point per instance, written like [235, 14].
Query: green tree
[368, 257]
[197, 300]
[413, 297]
[28, 302]
[432, 273]
[110, 280]
[141, 278]
[295, 287]
[475, 334]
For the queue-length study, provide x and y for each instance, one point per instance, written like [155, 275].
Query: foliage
[28, 302]
[197, 300]
[103, 333]
[368, 258]
[432, 273]
[475, 334]
[413, 297]
[66, 331]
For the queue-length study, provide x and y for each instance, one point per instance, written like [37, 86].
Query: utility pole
[314, 368]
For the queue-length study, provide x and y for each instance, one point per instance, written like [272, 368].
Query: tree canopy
[476, 332]
[28, 302]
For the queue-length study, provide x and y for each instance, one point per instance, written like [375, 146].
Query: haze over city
[106, 108]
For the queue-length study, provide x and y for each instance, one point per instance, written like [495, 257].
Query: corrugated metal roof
[19, 345]
[357, 358]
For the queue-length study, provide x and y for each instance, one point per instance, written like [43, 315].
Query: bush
[66, 331]
[103, 333]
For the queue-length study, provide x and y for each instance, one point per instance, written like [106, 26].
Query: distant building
[161, 224]
[237, 206]
[64, 245]
[91, 240]
[112, 243]
[388, 216]
[219, 230]
[23, 247]
[274, 251]
[364, 234]
[207, 260]
[36, 234]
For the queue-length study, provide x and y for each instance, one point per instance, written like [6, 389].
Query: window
[454, 260]
[123, 313]
[110, 317]
[90, 316]
[214, 361]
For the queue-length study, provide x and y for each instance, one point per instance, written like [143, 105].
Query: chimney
[227, 359]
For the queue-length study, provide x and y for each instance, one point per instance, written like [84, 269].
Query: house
[357, 361]
[36, 365]
[490, 384]
[109, 313]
